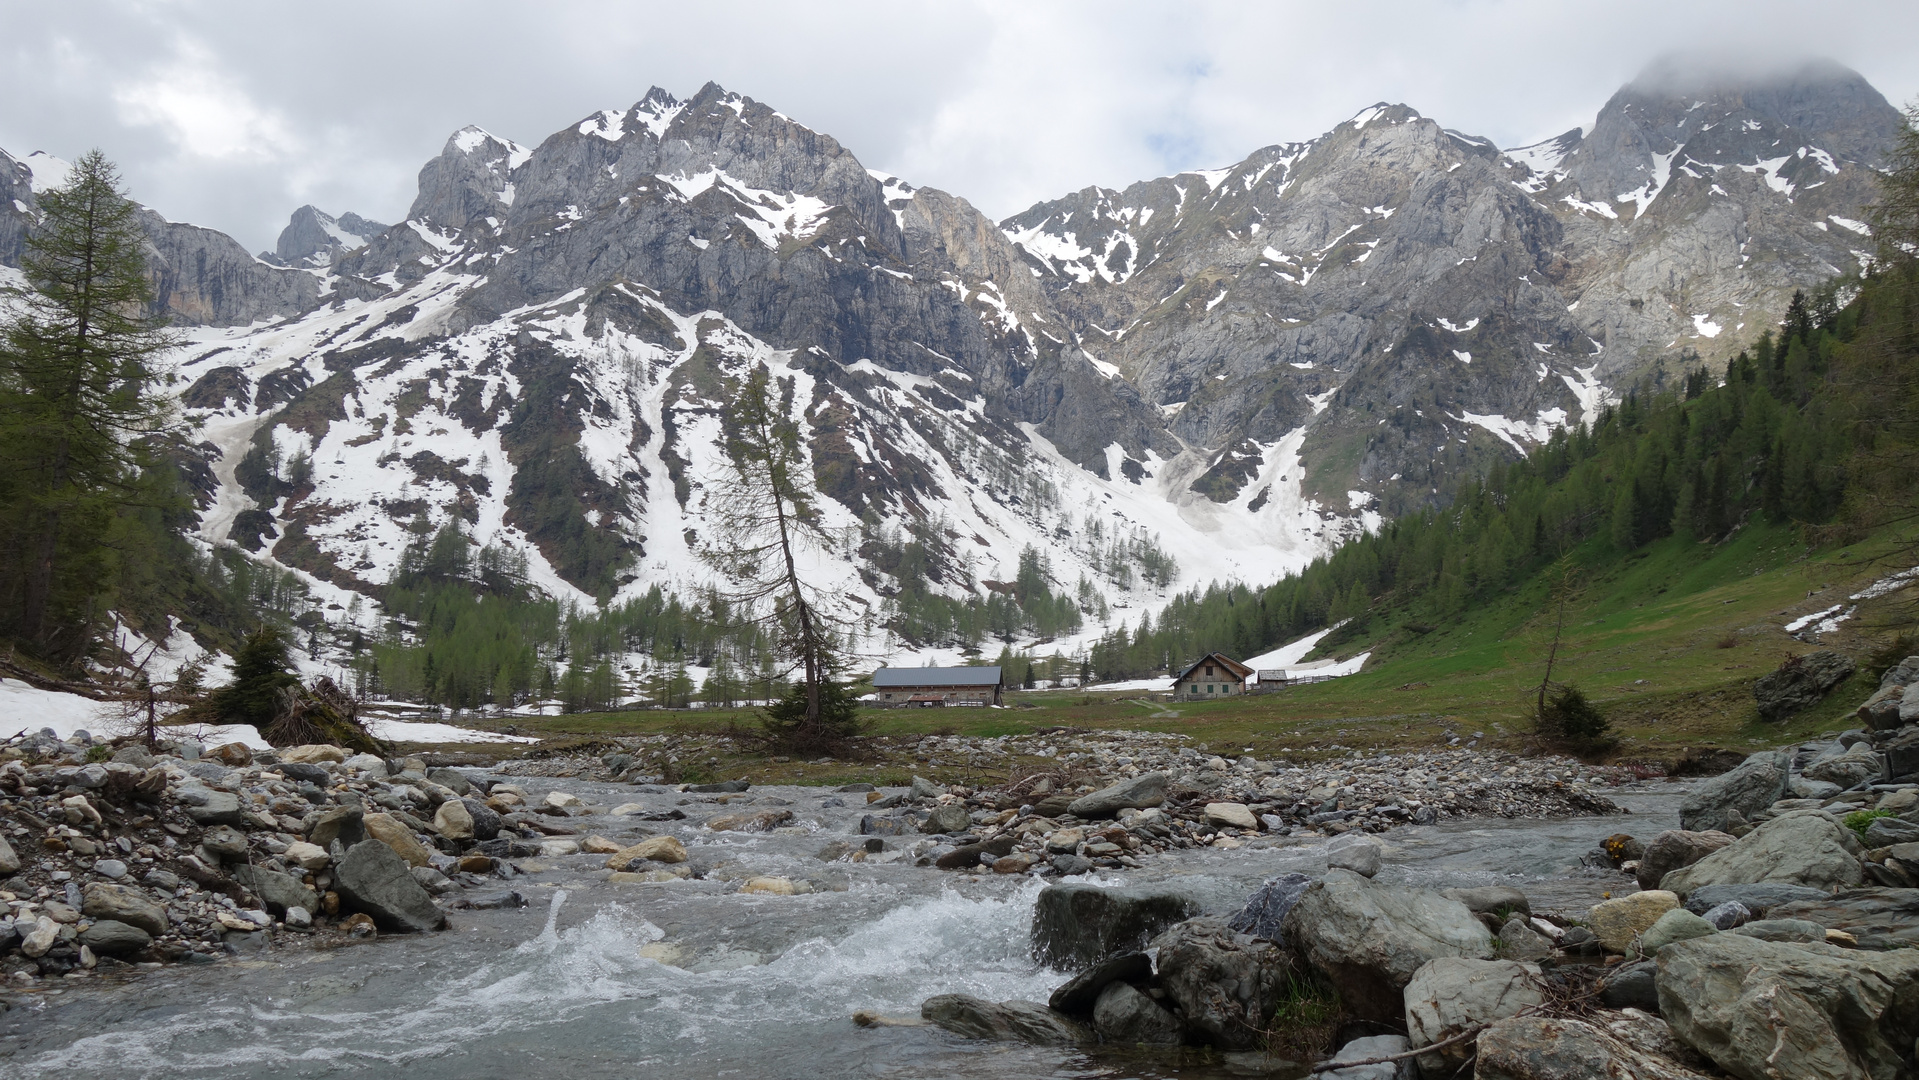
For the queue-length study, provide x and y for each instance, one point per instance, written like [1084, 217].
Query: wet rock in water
[874, 825]
[430, 879]
[1358, 853]
[1125, 1016]
[1366, 940]
[486, 820]
[376, 882]
[1139, 793]
[1755, 785]
[1556, 1048]
[276, 890]
[1368, 1049]
[509, 900]
[1879, 918]
[1676, 848]
[387, 830]
[763, 821]
[1071, 865]
[948, 818]
[1018, 862]
[109, 937]
[598, 845]
[1076, 926]
[123, 903]
[963, 857]
[1630, 986]
[1801, 683]
[1800, 847]
[453, 821]
[663, 849]
[1009, 1021]
[1618, 921]
[1725, 916]
[1757, 898]
[1265, 911]
[1765, 1009]
[774, 886]
[1226, 985]
[1675, 925]
[1077, 995]
[1447, 995]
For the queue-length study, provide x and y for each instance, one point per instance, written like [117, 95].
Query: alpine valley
[1203, 377]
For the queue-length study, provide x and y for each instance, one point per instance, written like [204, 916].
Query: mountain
[314, 237]
[1206, 376]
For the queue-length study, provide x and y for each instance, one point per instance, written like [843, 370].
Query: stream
[755, 986]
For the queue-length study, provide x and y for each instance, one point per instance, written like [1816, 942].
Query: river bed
[757, 986]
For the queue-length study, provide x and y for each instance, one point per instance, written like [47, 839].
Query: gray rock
[1902, 674]
[432, 880]
[1675, 925]
[1756, 898]
[1265, 911]
[1727, 915]
[1885, 832]
[1360, 854]
[375, 881]
[1077, 995]
[1556, 1048]
[220, 808]
[1801, 683]
[345, 823]
[1821, 790]
[1071, 865]
[110, 937]
[1801, 847]
[1366, 940]
[123, 903]
[1140, 793]
[1755, 785]
[1125, 1016]
[486, 820]
[1368, 1048]
[1856, 766]
[298, 918]
[1630, 986]
[1880, 918]
[874, 825]
[722, 787]
[111, 869]
[1076, 926]
[1881, 710]
[1449, 994]
[1226, 985]
[276, 890]
[9, 862]
[1789, 930]
[1519, 941]
[1008, 1021]
[1491, 898]
[1763, 1009]
[922, 788]
[226, 842]
[948, 818]
[453, 780]
[301, 772]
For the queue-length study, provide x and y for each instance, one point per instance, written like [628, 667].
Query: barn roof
[892, 677]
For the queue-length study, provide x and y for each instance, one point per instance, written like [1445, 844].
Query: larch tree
[80, 364]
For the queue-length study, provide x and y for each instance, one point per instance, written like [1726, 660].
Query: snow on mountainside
[1235, 367]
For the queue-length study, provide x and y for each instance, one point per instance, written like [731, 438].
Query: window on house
[1209, 669]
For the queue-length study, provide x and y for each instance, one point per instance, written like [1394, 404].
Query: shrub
[1570, 718]
[1861, 820]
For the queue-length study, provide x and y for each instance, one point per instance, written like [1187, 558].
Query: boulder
[1498, 899]
[312, 754]
[1139, 793]
[662, 849]
[343, 823]
[276, 890]
[1450, 994]
[387, 830]
[123, 903]
[1265, 911]
[1799, 931]
[1903, 673]
[922, 788]
[1881, 710]
[1727, 915]
[1856, 766]
[1355, 852]
[109, 937]
[1902, 753]
[1078, 995]
[1226, 985]
[1076, 926]
[1758, 898]
[1009, 1021]
[301, 773]
[1802, 788]
[378, 883]
[1675, 925]
[1366, 940]
[1618, 921]
[486, 820]
[9, 862]
[1232, 814]
[1630, 986]
[219, 808]
[763, 821]
[1885, 832]
[1754, 785]
[1556, 1048]
[1800, 847]
[1519, 941]
[1125, 1016]
[948, 818]
[1878, 918]
[1800, 683]
[366, 763]
[1762, 1009]
[453, 821]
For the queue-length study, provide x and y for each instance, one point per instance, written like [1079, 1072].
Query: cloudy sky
[231, 114]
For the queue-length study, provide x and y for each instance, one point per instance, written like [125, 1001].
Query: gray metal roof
[891, 677]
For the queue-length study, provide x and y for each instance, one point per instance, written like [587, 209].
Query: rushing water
[756, 987]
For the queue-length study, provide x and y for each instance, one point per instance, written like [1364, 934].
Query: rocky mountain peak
[316, 238]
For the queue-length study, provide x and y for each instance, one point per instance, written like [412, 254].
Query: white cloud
[204, 112]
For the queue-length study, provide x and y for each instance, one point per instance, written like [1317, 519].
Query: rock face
[376, 882]
[1225, 984]
[315, 238]
[1675, 848]
[1367, 940]
[1555, 1048]
[1139, 793]
[1450, 994]
[1014, 1021]
[1800, 847]
[1763, 1009]
[1756, 784]
[1800, 683]
[1077, 926]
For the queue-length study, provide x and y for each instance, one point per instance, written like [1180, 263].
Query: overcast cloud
[233, 114]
